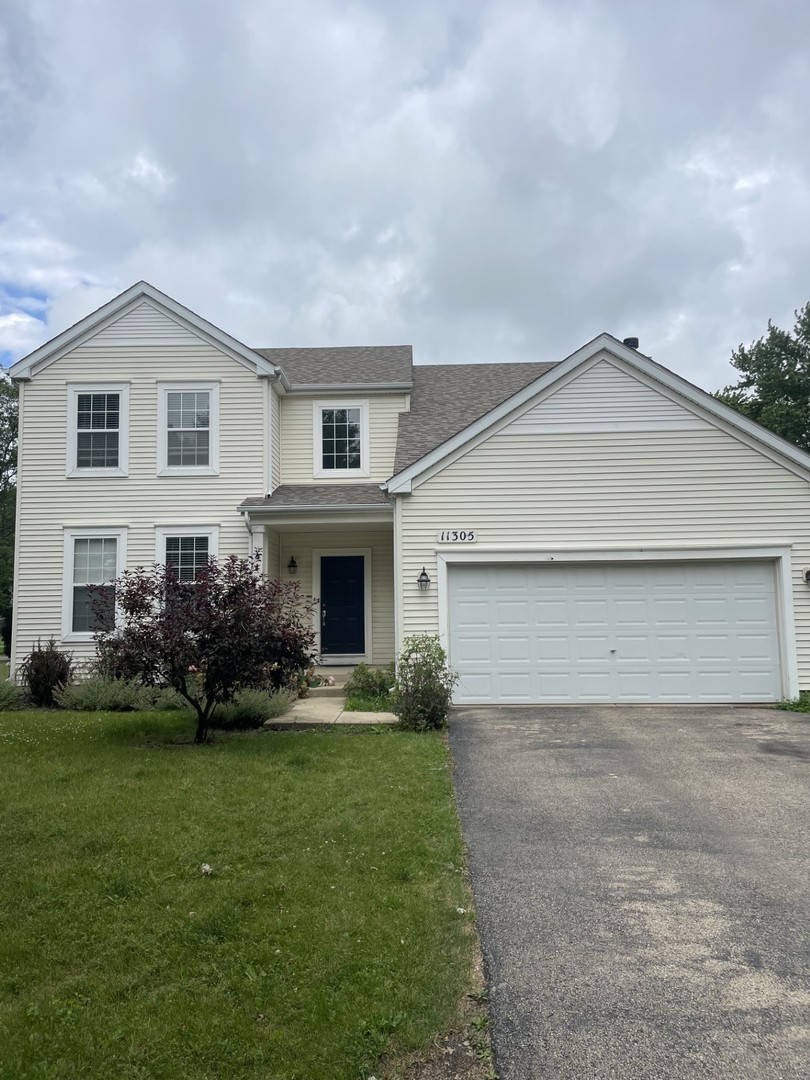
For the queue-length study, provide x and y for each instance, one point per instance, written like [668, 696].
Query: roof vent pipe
[630, 342]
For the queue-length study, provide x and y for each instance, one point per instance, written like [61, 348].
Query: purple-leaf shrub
[230, 629]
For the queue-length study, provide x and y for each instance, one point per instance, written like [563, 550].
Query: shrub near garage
[424, 688]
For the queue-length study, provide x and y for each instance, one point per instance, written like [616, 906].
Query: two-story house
[595, 530]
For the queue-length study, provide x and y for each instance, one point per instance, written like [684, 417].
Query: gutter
[321, 508]
[354, 388]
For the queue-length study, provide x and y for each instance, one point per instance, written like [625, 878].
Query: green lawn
[327, 932]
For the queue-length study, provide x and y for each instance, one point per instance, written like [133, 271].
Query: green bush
[369, 689]
[251, 708]
[10, 696]
[45, 671]
[371, 682]
[424, 687]
[103, 694]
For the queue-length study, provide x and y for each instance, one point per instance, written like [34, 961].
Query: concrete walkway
[316, 712]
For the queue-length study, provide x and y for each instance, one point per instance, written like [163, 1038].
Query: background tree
[774, 383]
[8, 492]
[229, 630]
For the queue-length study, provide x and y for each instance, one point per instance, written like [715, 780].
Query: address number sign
[454, 536]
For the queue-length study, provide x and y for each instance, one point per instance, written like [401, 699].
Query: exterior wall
[275, 439]
[297, 436]
[269, 539]
[49, 502]
[302, 545]
[144, 325]
[600, 490]
[605, 398]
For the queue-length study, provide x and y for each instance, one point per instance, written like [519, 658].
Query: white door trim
[343, 658]
[779, 555]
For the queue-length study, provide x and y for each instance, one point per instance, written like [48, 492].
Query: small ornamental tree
[230, 629]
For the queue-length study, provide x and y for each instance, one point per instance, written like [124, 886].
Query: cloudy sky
[485, 180]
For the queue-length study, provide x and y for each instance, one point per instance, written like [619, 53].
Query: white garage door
[686, 631]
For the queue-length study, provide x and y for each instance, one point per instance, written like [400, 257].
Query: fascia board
[81, 331]
[784, 452]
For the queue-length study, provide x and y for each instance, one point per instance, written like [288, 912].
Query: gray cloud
[487, 180]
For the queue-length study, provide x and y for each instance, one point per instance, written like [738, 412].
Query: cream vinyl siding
[146, 325]
[268, 540]
[297, 431]
[275, 429]
[670, 489]
[605, 398]
[48, 500]
[302, 544]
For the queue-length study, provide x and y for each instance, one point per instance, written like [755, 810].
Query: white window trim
[163, 532]
[212, 468]
[73, 390]
[317, 438]
[96, 533]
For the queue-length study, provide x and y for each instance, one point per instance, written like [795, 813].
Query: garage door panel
[685, 631]
[511, 648]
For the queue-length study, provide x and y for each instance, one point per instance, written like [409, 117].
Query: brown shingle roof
[446, 398]
[353, 365]
[290, 496]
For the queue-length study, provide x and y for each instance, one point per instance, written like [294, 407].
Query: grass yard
[327, 933]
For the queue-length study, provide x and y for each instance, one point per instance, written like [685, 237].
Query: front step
[326, 691]
[340, 674]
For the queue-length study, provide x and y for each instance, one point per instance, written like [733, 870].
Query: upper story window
[93, 559]
[188, 429]
[98, 429]
[341, 438]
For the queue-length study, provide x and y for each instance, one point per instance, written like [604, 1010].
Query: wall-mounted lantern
[292, 566]
[423, 581]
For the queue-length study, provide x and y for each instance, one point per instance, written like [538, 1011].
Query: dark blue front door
[343, 604]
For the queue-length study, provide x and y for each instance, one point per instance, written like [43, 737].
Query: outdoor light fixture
[423, 581]
[806, 576]
[292, 566]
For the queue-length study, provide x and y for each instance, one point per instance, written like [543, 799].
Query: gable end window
[341, 438]
[188, 430]
[93, 560]
[97, 430]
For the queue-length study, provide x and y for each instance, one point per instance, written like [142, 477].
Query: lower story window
[95, 566]
[187, 554]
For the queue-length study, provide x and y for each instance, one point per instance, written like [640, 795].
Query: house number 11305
[452, 536]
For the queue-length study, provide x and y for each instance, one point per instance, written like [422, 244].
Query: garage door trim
[780, 556]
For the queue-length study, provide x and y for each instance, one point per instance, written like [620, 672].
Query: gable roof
[108, 313]
[447, 398]
[345, 367]
[723, 415]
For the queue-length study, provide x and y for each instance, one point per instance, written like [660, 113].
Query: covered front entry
[687, 631]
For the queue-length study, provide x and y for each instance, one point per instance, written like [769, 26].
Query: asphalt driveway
[641, 878]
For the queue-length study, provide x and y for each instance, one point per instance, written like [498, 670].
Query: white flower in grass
[206, 869]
